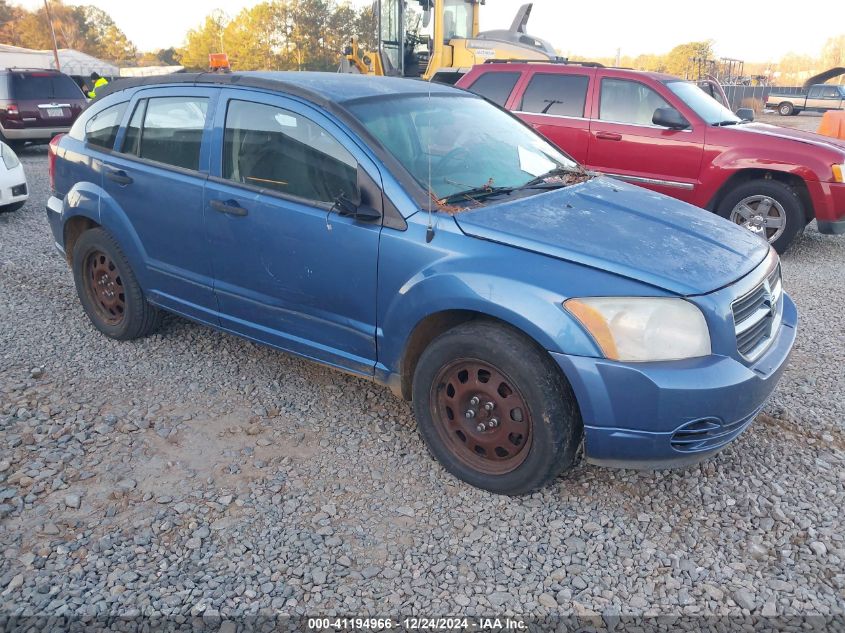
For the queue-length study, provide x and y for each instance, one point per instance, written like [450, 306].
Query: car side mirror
[671, 118]
[362, 212]
[746, 114]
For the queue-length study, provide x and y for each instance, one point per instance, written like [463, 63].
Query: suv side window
[496, 87]
[276, 149]
[101, 129]
[561, 95]
[168, 130]
[625, 101]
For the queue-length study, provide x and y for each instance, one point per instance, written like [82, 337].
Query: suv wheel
[786, 109]
[769, 208]
[494, 409]
[108, 289]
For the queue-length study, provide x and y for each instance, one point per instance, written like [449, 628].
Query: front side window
[561, 95]
[496, 87]
[831, 93]
[624, 101]
[279, 150]
[171, 132]
[450, 144]
[101, 129]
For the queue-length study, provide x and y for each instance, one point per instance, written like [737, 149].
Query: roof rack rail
[558, 60]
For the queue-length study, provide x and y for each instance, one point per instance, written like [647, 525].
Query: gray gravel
[194, 474]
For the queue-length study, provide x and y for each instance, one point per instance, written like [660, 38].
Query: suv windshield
[33, 86]
[458, 143]
[702, 104]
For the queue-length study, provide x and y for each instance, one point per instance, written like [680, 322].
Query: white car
[13, 189]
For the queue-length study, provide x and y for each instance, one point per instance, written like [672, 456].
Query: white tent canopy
[73, 62]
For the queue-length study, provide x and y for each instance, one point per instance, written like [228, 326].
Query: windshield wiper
[476, 193]
[725, 123]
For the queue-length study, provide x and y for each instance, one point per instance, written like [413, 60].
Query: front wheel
[768, 208]
[494, 409]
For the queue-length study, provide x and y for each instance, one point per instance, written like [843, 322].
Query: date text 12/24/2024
[414, 624]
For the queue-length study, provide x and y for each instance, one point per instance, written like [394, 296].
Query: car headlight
[10, 159]
[643, 328]
[839, 173]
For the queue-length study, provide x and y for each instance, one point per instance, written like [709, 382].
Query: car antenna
[429, 232]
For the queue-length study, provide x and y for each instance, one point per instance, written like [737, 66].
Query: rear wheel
[786, 109]
[494, 409]
[108, 290]
[768, 208]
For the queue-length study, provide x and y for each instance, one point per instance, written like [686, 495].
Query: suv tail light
[11, 112]
[52, 148]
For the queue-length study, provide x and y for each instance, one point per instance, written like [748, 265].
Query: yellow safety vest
[102, 81]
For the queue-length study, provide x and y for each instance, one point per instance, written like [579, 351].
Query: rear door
[289, 270]
[156, 179]
[46, 99]
[557, 106]
[625, 143]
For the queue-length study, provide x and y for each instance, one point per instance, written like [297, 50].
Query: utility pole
[618, 57]
[53, 33]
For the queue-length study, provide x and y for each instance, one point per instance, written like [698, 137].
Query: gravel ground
[193, 473]
[808, 121]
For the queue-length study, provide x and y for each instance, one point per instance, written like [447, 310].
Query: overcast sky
[751, 31]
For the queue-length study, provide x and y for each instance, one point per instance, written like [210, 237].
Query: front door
[625, 143]
[289, 270]
[157, 178]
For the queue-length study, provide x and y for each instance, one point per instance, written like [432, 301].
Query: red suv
[35, 105]
[666, 134]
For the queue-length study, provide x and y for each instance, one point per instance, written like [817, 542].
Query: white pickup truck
[819, 98]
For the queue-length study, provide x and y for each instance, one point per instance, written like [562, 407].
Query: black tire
[785, 108]
[97, 251]
[11, 208]
[783, 194]
[796, 112]
[553, 424]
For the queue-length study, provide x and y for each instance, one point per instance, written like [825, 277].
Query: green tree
[103, 36]
[679, 61]
[201, 42]
[255, 37]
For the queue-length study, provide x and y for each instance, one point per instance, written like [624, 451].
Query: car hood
[802, 136]
[610, 225]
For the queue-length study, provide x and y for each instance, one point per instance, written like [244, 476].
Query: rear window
[561, 95]
[34, 86]
[496, 87]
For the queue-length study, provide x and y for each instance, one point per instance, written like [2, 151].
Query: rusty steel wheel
[482, 416]
[494, 409]
[105, 288]
[108, 290]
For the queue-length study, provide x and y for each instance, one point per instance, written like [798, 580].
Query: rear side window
[561, 95]
[35, 86]
[496, 87]
[101, 129]
[168, 130]
[282, 151]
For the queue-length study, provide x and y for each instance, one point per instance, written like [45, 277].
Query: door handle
[119, 176]
[609, 136]
[230, 206]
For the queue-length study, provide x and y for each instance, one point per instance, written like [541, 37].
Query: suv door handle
[230, 206]
[609, 136]
[119, 176]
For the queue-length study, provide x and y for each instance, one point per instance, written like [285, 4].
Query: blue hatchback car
[419, 236]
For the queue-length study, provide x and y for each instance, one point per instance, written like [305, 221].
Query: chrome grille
[757, 316]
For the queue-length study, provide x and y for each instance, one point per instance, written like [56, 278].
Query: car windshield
[452, 144]
[701, 103]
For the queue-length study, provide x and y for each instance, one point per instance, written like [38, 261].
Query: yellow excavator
[455, 46]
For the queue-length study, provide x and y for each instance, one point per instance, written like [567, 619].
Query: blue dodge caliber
[419, 236]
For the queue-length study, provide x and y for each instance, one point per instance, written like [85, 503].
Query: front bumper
[671, 414]
[829, 206]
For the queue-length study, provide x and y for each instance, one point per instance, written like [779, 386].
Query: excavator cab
[454, 46]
